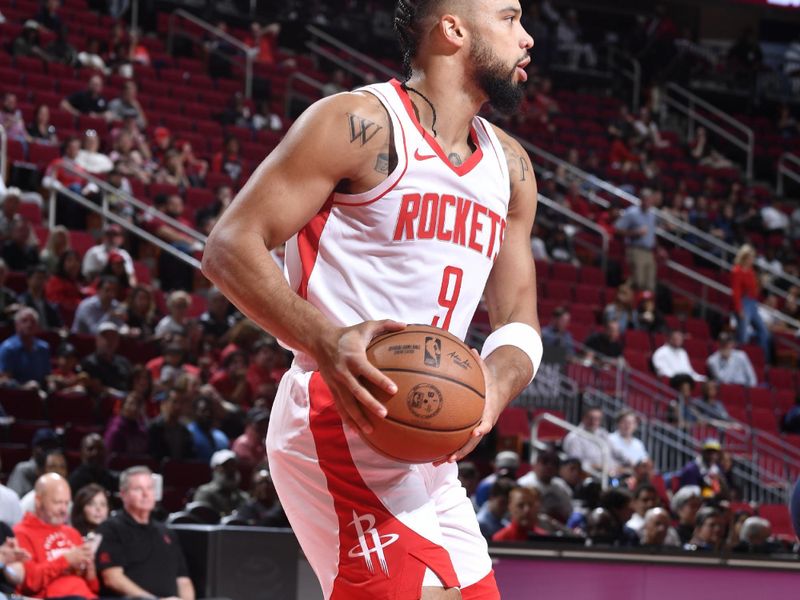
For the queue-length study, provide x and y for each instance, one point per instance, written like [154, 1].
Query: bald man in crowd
[61, 564]
[655, 528]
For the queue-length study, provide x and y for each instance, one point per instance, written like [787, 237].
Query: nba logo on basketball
[433, 351]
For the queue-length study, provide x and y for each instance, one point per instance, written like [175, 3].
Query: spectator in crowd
[267, 366]
[469, 478]
[684, 505]
[89, 158]
[12, 197]
[167, 436]
[100, 308]
[710, 407]
[174, 361]
[64, 288]
[25, 473]
[13, 557]
[648, 317]
[704, 470]
[222, 493]
[523, 510]
[96, 257]
[54, 462]
[90, 57]
[230, 379]
[19, 251]
[709, 531]
[238, 112]
[229, 161]
[49, 18]
[40, 129]
[249, 447]
[35, 297]
[655, 528]
[556, 334]
[336, 84]
[627, 450]
[172, 171]
[577, 446]
[672, 361]
[126, 433]
[729, 365]
[93, 469]
[622, 155]
[622, 309]
[138, 556]
[140, 313]
[89, 101]
[130, 158]
[754, 537]
[177, 319]
[8, 298]
[194, 167]
[217, 320]
[571, 472]
[174, 273]
[128, 105]
[264, 509]
[11, 119]
[58, 243]
[90, 508]
[618, 504]
[264, 118]
[24, 358]
[787, 124]
[492, 515]
[647, 129]
[570, 41]
[506, 464]
[162, 143]
[645, 497]
[61, 564]
[10, 508]
[207, 438]
[556, 495]
[264, 38]
[604, 345]
[223, 196]
[638, 225]
[745, 291]
[28, 44]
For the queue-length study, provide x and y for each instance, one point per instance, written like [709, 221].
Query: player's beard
[496, 79]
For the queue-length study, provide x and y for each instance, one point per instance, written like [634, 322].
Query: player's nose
[527, 40]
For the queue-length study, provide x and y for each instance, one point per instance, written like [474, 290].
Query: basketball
[440, 394]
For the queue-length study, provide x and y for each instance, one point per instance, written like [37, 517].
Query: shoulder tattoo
[361, 130]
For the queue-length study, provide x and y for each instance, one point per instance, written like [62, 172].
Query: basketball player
[397, 205]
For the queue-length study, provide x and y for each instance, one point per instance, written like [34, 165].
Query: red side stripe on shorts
[379, 557]
[308, 244]
[485, 589]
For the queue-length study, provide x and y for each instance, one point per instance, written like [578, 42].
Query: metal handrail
[3, 152]
[363, 58]
[291, 94]
[248, 51]
[634, 74]
[785, 171]
[584, 222]
[594, 439]
[144, 207]
[690, 111]
[337, 60]
[121, 221]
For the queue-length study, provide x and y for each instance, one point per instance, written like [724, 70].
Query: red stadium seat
[778, 515]
[781, 378]
[42, 154]
[22, 404]
[185, 473]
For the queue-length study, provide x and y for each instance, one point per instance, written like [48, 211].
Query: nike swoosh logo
[419, 156]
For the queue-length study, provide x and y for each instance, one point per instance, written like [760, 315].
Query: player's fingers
[374, 375]
[349, 409]
[363, 396]
[385, 326]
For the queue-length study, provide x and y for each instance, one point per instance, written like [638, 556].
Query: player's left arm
[510, 294]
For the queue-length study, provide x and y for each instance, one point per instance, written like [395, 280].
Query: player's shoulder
[520, 170]
[350, 106]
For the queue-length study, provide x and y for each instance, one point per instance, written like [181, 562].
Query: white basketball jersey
[419, 247]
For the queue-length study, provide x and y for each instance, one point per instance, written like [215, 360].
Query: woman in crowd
[126, 433]
[40, 128]
[178, 319]
[745, 292]
[65, 287]
[89, 508]
[141, 313]
[57, 243]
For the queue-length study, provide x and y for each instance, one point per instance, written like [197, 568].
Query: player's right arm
[340, 141]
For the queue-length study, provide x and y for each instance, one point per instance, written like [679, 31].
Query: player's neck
[452, 105]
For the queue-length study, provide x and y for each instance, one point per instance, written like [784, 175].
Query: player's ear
[452, 29]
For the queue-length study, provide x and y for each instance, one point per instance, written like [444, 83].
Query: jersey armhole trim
[388, 184]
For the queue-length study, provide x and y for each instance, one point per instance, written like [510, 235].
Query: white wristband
[519, 335]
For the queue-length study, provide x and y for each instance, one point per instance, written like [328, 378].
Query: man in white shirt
[627, 450]
[96, 257]
[589, 453]
[556, 495]
[672, 361]
[729, 365]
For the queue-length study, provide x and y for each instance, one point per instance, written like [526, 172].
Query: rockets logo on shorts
[370, 542]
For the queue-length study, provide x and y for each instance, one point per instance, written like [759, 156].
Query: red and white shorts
[371, 528]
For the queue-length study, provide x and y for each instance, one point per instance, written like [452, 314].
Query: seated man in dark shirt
[264, 510]
[109, 372]
[89, 101]
[34, 296]
[138, 556]
[222, 493]
[605, 344]
[167, 437]
[93, 466]
[18, 251]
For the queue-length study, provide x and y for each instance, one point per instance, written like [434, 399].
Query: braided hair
[407, 16]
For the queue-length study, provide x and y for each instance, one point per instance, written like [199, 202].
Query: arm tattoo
[523, 165]
[360, 129]
[382, 163]
[455, 159]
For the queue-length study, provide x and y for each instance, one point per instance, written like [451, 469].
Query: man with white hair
[24, 358]
[656, 530]
[754, 536]
[61, 564]
[685, 504]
